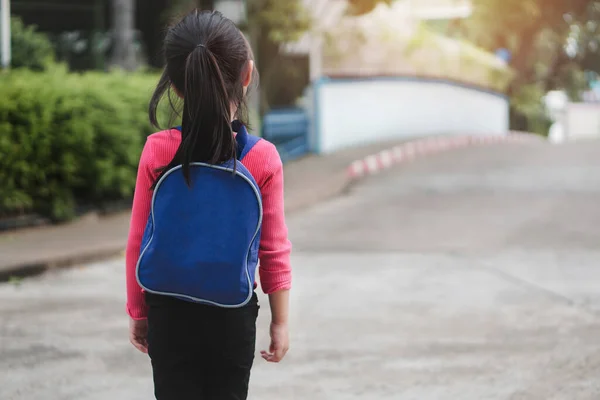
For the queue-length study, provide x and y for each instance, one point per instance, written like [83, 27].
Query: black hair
[206, 60]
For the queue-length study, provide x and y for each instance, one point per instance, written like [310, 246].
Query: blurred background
[442, 171]
[537, 61]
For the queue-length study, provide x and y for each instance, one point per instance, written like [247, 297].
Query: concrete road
[469, 275]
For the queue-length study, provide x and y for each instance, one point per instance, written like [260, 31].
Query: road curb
[329, 188]
[34, 268]
[414, 149]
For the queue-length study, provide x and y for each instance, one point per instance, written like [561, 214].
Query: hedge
[70, 140]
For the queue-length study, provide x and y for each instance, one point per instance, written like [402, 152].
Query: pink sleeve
[275, 248]
[142, 198]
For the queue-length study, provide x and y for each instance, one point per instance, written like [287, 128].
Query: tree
[273, 23]
[123, 31]
[551, 42]
[270, 25]
[517, 25]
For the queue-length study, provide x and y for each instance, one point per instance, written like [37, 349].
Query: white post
[5, 33]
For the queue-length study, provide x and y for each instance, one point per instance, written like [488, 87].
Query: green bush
[528, 108]
[30, 49]
[68, 140]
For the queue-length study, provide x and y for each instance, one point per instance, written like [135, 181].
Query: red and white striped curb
[410, 150]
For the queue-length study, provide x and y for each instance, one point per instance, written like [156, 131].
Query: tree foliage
[551, 43]
[279, 21]
[270, 25]
[532, 30]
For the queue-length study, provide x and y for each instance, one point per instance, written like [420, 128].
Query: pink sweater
[264, 164]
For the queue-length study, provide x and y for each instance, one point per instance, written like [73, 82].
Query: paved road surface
[469, 275]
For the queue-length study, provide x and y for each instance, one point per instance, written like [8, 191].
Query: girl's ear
[247, 74]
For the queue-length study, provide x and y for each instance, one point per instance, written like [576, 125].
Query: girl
[197, 350]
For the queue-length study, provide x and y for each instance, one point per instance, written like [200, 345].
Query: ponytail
[206, 134]
[206, 56]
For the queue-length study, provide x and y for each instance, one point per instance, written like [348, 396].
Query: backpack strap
[245, 141]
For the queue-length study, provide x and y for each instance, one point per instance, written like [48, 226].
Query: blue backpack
[201, 242]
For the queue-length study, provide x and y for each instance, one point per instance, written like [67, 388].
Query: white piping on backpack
[250, 284]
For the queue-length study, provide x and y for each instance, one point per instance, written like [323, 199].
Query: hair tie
[201, 45]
